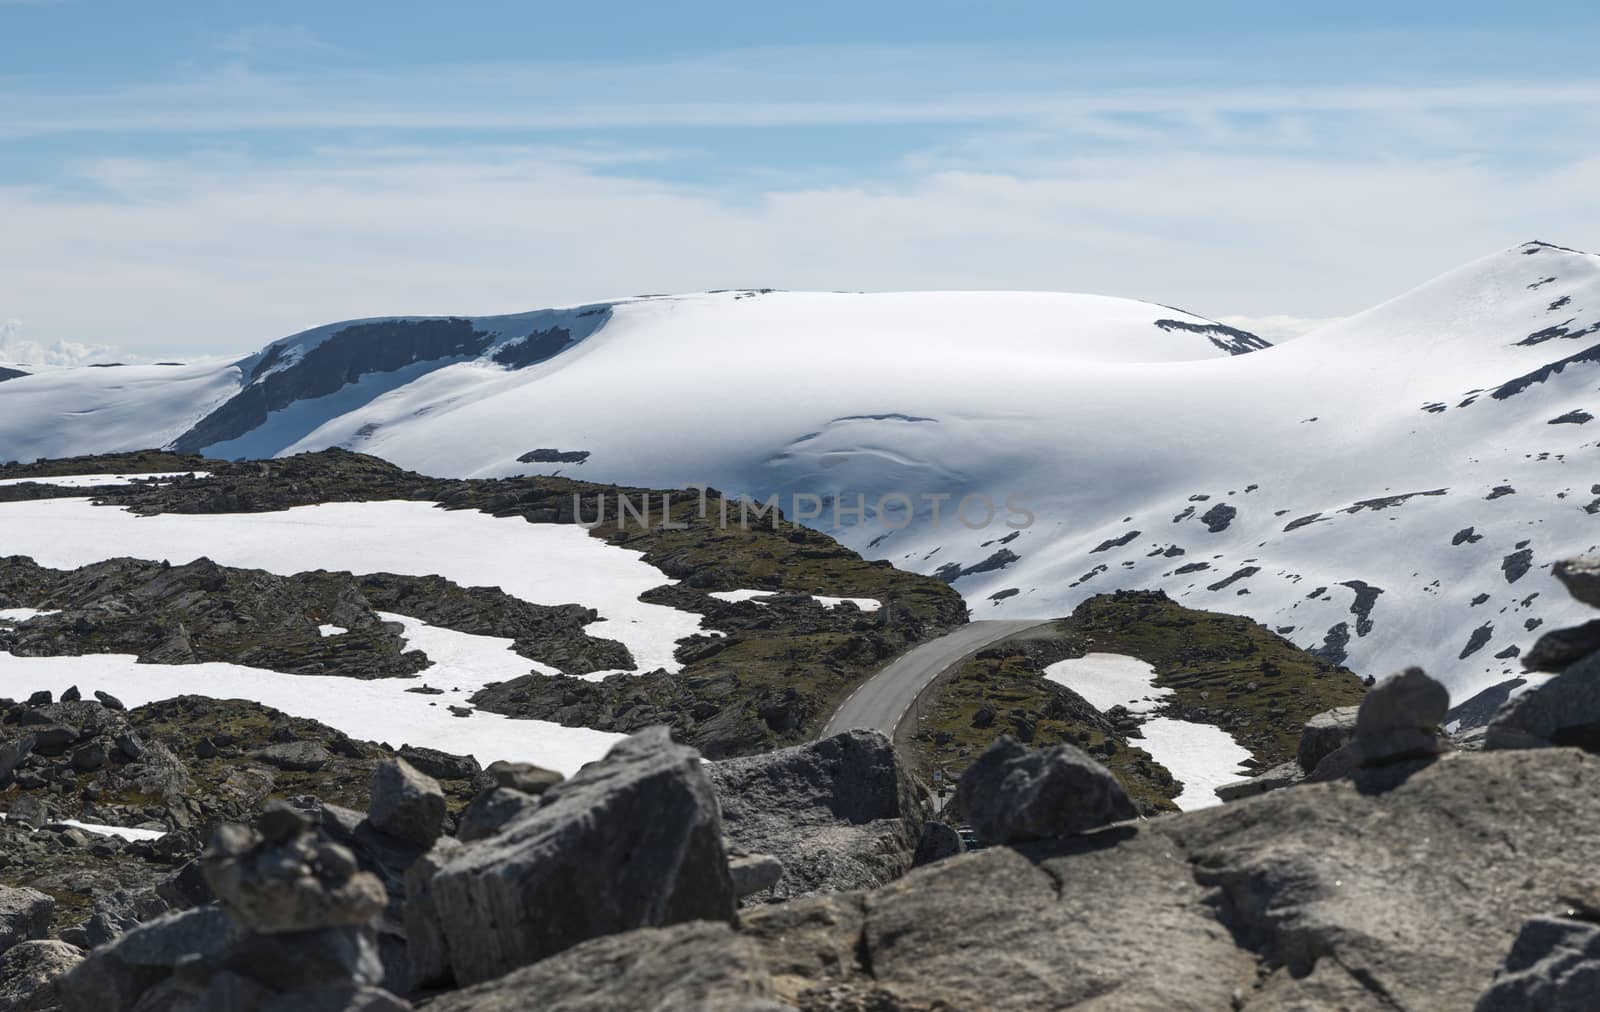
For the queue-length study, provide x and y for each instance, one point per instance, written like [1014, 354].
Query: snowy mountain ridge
[1387, 489]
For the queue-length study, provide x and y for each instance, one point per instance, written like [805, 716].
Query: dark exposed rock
[1400, 719]
[840, 813]
[406, 804]
[1575, 417]
[698, 965]
[1117, 542]
[1553, 966]
[1229, 339]
[1516, 565]
[1563, 711]
[1465, 536]
[297, 756]
[440, 765]
[524, 777]
[1242, 573]
[299, 883]
[1477, 640]
[1218, 517]
[951, 572]
[1389, 501]
[1013, 793]
[1477, 711]
[275, 380]
[492, 811]
[24, 915]
[939, 841]
[754, 873]
[631, 841]
[1560, 647]
[427, 952]
[201, 611]
[28, 973]
[1325, 733]
[1283, 775]
[116, 976]
[1581, 578]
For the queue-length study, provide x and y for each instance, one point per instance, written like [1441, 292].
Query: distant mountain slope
[1385, 490]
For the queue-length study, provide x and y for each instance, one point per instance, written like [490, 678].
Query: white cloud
[1277, 327]
[17, 350]
[182, 257]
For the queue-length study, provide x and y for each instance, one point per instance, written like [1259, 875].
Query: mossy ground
[1006, 684]
[1224, 670]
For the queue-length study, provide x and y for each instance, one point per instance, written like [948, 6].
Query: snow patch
[91, 480]
[759, 597]
[549, 564]
[374, 710]
[1108, 680]
[23, 614]
[1200, 756]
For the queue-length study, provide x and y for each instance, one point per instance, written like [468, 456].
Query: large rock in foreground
[1403, 886]
[632, 841]
[695, 966]
[1014, 793]
[1554, 966]
[1563, 711]
[840, 813]
[24, 915]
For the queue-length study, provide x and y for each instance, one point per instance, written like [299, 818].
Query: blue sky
[187, 179]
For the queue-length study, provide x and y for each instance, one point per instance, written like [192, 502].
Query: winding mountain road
[881, 701]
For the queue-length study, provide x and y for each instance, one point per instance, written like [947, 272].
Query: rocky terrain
[776, 671]
[1410, 870]
[1222, 670]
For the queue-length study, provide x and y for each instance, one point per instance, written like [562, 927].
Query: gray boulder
[119, 910]
[524, 777]
[695, 967]
[406, 804]
[427, 952]
[279, 880]
[840, 813]
[939, 840]
[295, 756]
[28, 973]
[440, 765]
[1581, 578]
[1400, 717]
[116, 976]
[1325, 733]
[1561, 647]
[1402, 886]
[13, 753]
[1280, 776]
[1013, 793]
[492, 811]
[1563, 711]
[754, 873]
[24, 915]
[631, 841]
[1554, 966]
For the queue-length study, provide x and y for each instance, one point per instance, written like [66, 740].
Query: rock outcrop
[632, 841]
[24, 915]
[1013, 793]
[1554, 966]
[1565, 710]
[29, 971]
[406, 804]
[841, 813]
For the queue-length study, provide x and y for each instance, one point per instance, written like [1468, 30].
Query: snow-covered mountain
[1388, 489]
